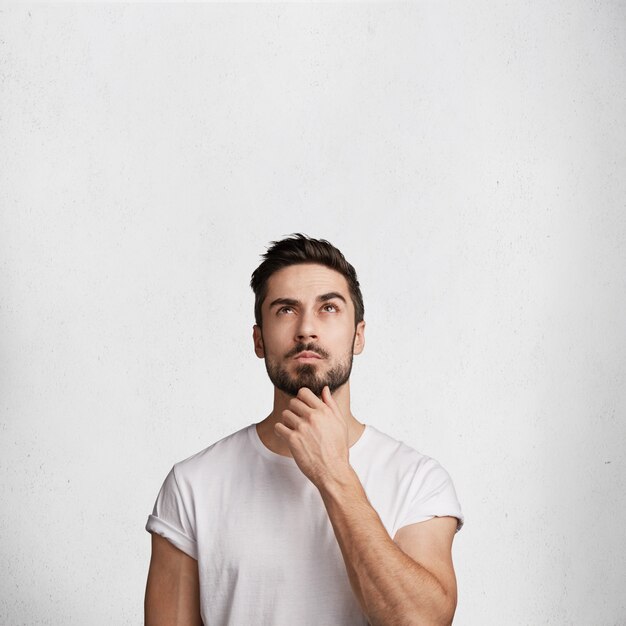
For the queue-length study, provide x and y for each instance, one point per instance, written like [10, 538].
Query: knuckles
[298, 406]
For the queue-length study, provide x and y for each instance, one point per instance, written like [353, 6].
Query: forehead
[305, 280]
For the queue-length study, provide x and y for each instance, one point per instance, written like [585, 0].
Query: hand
[316, 434]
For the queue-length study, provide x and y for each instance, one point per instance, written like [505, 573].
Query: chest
[253, 528]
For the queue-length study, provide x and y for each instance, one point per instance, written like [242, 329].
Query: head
[309, 314]
[298, 249]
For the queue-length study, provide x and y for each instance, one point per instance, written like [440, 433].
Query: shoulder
[418, 481]
[385, 450]
[225, 450]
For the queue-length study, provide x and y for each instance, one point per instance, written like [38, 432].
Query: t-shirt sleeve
[171, 516]
[431, 494]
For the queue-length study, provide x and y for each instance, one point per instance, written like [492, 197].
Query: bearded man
[309, 516]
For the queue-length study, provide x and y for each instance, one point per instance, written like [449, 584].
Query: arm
[392, 587]
[172, 591]
[408, 583]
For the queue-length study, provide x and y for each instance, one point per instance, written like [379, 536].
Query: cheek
[274, 339]
[341, 337]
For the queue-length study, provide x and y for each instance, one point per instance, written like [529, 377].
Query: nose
[306, 328]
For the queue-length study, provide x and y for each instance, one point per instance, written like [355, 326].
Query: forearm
[391, 587]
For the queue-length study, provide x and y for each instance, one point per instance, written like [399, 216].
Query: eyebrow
[331, 295]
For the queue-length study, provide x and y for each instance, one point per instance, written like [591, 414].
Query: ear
[359, 338]
[257, 337]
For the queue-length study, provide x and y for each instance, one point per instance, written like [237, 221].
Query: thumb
[328, 397]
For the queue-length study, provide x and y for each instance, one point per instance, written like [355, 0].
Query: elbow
[440, 614]
[447, 611]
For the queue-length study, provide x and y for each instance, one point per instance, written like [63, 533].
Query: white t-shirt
[266, 550]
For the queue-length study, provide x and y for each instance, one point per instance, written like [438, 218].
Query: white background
[469, 160]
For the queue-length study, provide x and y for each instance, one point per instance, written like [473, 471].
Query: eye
[284, 309]
[334, 307]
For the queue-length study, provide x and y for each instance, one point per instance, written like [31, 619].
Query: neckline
[274, 457]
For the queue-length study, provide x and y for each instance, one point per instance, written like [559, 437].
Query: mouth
[307, 356]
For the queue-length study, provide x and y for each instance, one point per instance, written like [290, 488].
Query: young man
[308, 517]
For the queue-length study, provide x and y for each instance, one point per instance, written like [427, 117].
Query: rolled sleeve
[171, 517]
[431, 494]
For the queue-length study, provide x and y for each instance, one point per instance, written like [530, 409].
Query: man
[290, 521]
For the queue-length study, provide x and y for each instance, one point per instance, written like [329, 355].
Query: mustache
[308, 347]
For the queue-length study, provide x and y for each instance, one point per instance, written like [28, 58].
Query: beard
[307, 374]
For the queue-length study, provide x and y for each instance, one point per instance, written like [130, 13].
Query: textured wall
[470, 161]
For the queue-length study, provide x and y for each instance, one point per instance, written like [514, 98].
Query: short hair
[298, 249]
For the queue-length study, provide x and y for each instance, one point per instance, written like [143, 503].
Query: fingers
[327, 397]
[300, 407]
[308, 397]
[290, 419]
[281, 430]
[306, 404]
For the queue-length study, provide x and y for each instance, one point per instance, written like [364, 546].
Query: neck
[265, 428]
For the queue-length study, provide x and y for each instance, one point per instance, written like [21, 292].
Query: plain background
[469, 160]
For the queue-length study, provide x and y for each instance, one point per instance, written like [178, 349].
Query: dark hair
[298, 249]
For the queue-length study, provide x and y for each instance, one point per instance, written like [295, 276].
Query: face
[308, 337]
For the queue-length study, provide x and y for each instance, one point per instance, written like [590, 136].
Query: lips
[307, 355]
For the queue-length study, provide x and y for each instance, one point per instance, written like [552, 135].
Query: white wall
[468, 158]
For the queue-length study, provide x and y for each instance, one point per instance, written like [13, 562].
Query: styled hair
[299, 249]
